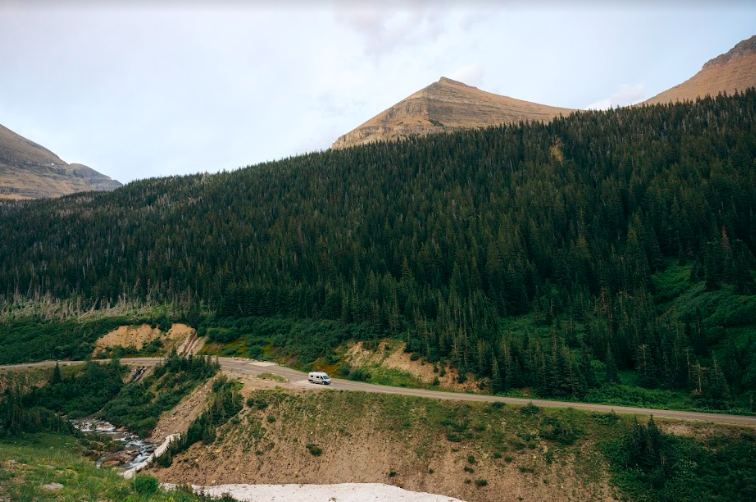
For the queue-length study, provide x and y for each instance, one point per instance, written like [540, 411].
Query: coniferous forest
[625, 238]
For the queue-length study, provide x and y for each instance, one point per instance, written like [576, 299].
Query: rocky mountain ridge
[30, 171]
[445, 106]
[732, 71]
[448, 105]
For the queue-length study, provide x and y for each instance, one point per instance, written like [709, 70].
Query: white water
[345, 492]
[143, 451]
[129, 473]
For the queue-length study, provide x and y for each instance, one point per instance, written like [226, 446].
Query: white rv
[319, 377]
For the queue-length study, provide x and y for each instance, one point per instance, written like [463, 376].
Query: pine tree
[610, 365]
[56, 376]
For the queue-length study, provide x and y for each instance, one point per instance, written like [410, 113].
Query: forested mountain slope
[625, 239]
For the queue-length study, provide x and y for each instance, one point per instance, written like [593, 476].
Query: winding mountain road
[251, 367]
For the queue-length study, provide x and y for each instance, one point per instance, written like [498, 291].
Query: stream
[136, 452]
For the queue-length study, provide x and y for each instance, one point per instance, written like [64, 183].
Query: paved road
[250, 367]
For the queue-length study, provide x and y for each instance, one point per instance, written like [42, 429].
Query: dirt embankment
[181, 337]
[392, 355]
[290, 436]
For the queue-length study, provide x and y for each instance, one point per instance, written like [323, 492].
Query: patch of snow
[345, 492]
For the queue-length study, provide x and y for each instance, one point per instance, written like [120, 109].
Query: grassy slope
[721, 307]
[28, 463]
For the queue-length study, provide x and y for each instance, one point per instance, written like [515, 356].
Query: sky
[139, 88]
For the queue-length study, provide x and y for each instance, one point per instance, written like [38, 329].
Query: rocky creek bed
[135, 453]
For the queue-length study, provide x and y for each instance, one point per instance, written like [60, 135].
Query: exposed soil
[396, 358]
[180, 336]
[179, 418]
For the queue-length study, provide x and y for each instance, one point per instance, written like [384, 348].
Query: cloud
[469, 75]
[385, 26]
[628, 94]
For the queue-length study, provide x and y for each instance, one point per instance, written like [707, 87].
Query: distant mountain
[444, 106]
[729, 72]
[30, 171]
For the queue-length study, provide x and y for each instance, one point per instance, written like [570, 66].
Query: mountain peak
[735, 70]
[448, 81]
[444, 106]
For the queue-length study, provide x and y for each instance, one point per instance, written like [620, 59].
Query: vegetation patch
[29, 339]
[271, 376]
[649, 465]
[33, 464]
[138, 406]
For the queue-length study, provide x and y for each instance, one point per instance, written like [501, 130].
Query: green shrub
[314, 450]
[560, 431]
[359, 375]
[481, 482]
[605, 418]
[145, 485]
[530, 409]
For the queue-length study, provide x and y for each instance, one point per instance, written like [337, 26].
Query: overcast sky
[140, 89]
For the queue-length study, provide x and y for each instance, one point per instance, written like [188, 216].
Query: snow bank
[345, 492]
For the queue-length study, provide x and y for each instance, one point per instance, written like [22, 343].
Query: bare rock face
[30, 171]
[443, 106]
[727, 73]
